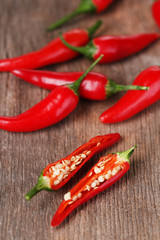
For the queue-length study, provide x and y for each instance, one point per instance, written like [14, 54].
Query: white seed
[83, 156]
[64, 170]
[56, 182]
[65, 176]
[67, 168]
[73, 167]
[60, 177]
[77, 157]
[93, 185]
[77, 163]
[98, 144]
[114, 171]
[50, 170]
[79, 195]
[67, 196]
[101, 179]
[67, 161]
[88, 188]
[70, 202]
[118, 167]
[97, 170]
[57, 172]
[74, 198]
[95, 188]
[109, 172]
[97, 182]
[90, 174]
[107, 176]
[59, 165]
[87, 153]
[73, 158]
[53, 168]
[102, 168]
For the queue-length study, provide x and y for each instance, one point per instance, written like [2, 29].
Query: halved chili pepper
[95, 86]
[106, 172]
[57, 174]
[55, 107]
[86, 6]
[114, 48]
[54, 52]
[156, 12]
[135, 101]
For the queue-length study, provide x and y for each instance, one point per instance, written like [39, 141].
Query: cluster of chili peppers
[64, 96]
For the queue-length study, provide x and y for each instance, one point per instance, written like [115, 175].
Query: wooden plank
[129, 209]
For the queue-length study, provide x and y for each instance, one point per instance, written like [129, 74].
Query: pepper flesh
[54, 52]
[114, 48]
[156, 12]
[55, 107]
[135, 101]
[95, 86]
[105, 173]
[47, 178]
[86, 6]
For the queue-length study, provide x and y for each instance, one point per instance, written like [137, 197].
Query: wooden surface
[127, 210]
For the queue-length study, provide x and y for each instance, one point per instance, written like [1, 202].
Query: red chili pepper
[55, 107]
[95, 86]
[156, 12]
[54, 52]
[106, 172]
[86, 6]
[57, 174]
[135, 101]
[114, 48]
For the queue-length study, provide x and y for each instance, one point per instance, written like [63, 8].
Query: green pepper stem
[94, 28]
[43, 184]
[75, 85]
[88, 50]
[126, 154]
[112, 88]
[86, 6]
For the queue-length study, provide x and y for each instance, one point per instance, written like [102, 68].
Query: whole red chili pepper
[86, 6]
[106, 172]
[135, 101]
[54, 52]
[57, 174]
[95, 86]
[55, 107]
[114, 48]
[156, 12]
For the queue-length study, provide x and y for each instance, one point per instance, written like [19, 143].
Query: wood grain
[129, 209]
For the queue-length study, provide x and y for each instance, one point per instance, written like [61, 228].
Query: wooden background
[127, 210]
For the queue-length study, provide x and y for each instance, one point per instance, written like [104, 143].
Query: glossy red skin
[115, 48]
[156, 12]
[101, 5]
[135, 101]
[106, 141]
[54, 52]
[92, 87]
[55, 107]
[63, 212]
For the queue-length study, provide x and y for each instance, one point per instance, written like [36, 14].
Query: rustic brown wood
[129, 209]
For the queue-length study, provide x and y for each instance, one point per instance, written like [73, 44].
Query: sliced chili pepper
[106, 172]
[156, 12]
[114, 48]
[135, 101]
[55, 107]
[54, 52]
[86, 6]
[57, 174]
[95, 86]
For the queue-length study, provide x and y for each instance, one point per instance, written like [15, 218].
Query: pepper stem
[112, 88]
[75, 85]
[94, 28]
[86, 6]
[126, 154]
[88, 50]
[43, 184]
